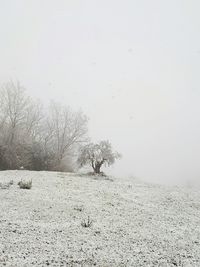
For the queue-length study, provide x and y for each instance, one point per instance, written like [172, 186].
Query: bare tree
[35, 139]
[97, 155]
[64, 130]
[17, 123]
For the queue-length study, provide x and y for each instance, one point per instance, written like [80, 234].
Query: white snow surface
[134, 223]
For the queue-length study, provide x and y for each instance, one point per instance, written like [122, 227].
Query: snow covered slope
[133, 223]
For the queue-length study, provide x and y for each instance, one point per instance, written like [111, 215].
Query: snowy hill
[132, 223]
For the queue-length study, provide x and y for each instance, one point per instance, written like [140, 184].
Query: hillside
[133, 223]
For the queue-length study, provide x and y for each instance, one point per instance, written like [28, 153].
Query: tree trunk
[97, 168]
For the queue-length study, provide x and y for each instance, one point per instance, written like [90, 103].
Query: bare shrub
[25, 184]
[87, 223]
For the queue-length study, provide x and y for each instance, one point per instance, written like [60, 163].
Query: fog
[131, 66]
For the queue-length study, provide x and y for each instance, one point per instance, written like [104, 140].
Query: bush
[25, 184]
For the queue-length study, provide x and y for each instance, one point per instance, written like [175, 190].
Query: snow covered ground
[133, 223]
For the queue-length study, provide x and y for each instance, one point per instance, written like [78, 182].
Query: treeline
[34, 137]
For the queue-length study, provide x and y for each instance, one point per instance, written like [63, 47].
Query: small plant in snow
[176, 261]
[11, 182]
[5, 185]
[25, 184]
[87, 223]
[79, 208]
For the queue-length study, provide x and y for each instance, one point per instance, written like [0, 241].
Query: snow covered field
[133, 223]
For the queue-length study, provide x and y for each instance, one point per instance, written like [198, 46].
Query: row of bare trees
[35, 137]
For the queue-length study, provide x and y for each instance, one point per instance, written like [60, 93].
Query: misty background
[131, 66]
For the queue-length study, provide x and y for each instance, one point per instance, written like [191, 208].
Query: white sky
[132, 66]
